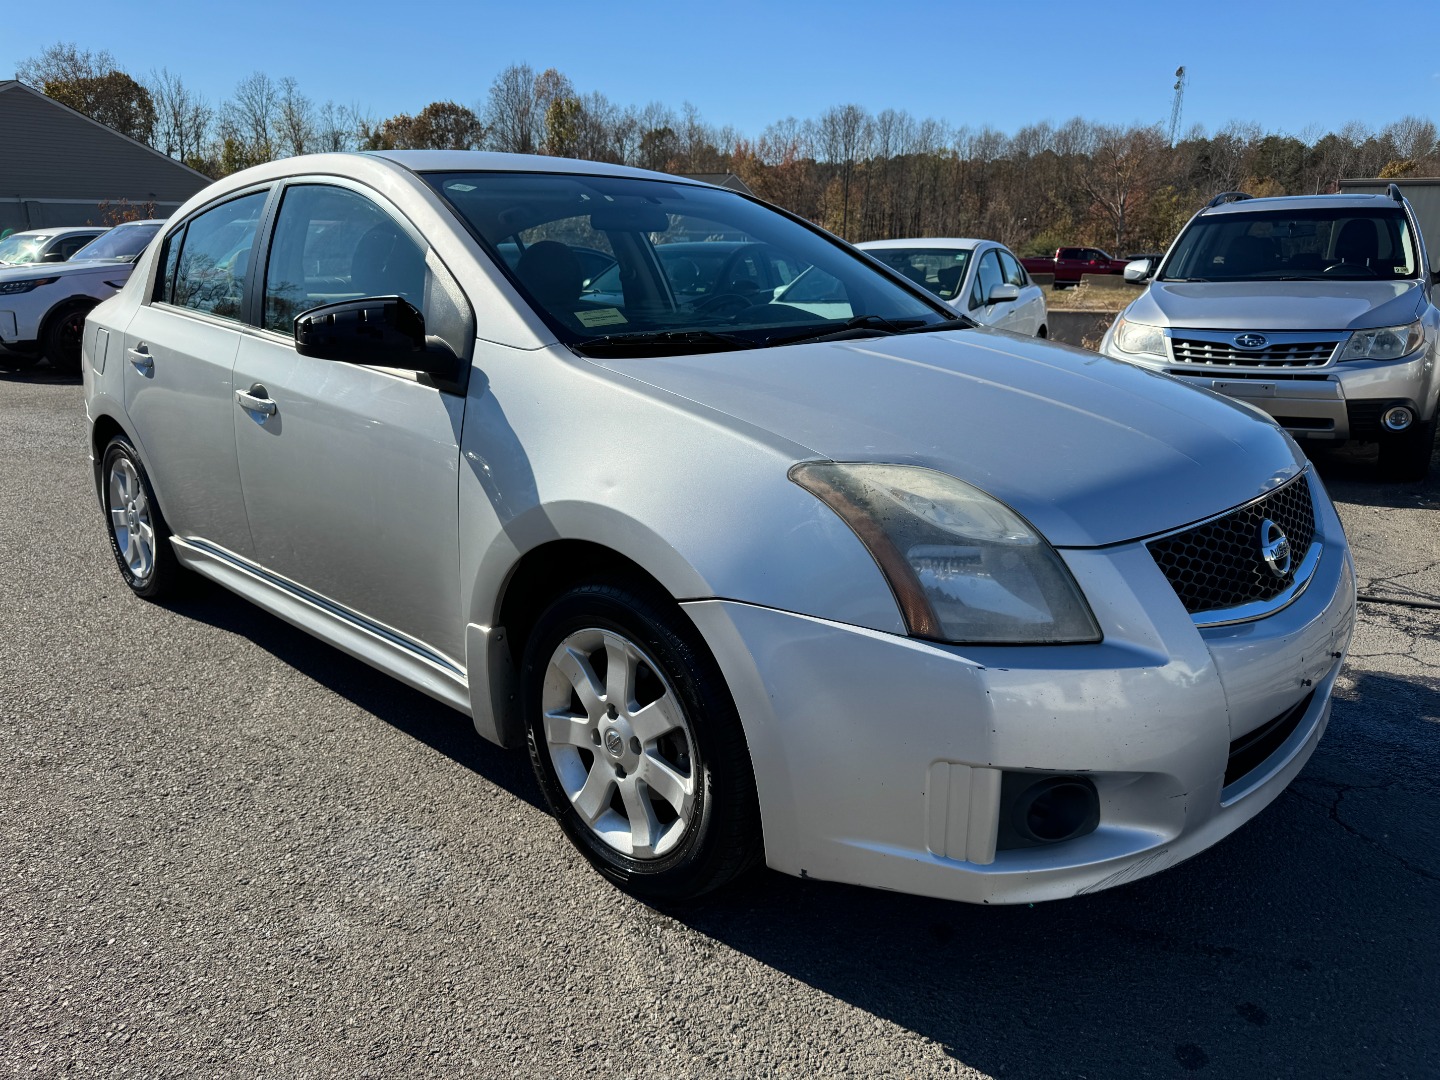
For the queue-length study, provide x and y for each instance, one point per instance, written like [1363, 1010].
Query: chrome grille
[1217, 565]
[1286, 354]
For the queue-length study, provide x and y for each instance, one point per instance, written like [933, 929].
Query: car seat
[1357, 243]
[552, 273]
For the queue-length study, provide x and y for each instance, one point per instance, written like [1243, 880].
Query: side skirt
[407, 661]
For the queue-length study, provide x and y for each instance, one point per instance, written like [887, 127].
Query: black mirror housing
[378, 331]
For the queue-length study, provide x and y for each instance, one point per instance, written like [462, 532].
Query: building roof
[53, 152]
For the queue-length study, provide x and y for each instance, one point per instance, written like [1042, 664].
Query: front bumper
[878, 758]
[1334, 403]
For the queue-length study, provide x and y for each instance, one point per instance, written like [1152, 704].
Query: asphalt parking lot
[227, 850]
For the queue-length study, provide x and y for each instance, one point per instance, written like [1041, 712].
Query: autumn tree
[93, 84]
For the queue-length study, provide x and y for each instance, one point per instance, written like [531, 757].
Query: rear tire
[139, 537]
[1406, 457]
[636, 742]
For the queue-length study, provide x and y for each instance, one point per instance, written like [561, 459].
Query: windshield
[939, 270]
[20, 248]
[684, 266]
[121, 244]
[1323, 242]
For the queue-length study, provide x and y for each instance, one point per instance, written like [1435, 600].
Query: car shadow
[43, 375]
[1351, 474]
[1303, 944]
[403, 708]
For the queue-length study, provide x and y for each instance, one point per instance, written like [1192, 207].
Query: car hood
[1092, 451]
[65, 269]
[1279, 305]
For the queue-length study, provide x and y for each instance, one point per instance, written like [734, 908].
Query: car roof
[1300, 202]
[61, 230]
[490, 161]
[938, 242]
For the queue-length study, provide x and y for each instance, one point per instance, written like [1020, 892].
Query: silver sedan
[846, 585]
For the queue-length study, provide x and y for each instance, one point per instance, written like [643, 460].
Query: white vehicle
[43, 306]
[877, 596]
[46, 245]
[981, 278]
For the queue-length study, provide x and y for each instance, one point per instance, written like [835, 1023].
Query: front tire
[139, 537]
[636, 743]
[1406, 457]
[64, 331]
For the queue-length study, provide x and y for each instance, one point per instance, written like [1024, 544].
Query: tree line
[862, 175]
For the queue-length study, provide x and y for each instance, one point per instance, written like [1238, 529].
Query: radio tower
[1179, 101]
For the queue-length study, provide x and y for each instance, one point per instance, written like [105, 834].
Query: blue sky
[1292, 67]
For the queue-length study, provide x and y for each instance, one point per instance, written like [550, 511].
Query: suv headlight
[963, 566]
[1139, 338]
[1386, 343]
[11, 288]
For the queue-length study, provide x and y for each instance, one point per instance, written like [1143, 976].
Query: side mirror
[52, 256]
[379, 331]
[1137, 271]
[1001, 293]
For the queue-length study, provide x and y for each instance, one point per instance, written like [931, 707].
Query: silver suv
[1314, 308]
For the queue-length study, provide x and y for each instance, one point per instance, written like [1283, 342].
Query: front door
[350, 473]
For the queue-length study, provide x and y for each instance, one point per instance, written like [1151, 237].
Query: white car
[875, 596]
[46, 245]
[43, 306]
[981, 278]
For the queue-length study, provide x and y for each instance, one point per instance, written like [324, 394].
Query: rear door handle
[256, 401]
[141, 359]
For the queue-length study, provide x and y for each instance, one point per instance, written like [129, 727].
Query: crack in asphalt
[1333, 808]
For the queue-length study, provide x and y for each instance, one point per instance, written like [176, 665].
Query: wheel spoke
[118, 520]
[132, 548]
[667, 784]
[593, 798]
[619, 672]
[562, 729]
[644, 826]
[655, 719]
[147, 547]
[575, 666]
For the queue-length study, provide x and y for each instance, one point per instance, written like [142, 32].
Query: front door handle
[141, 359]
[256, 401]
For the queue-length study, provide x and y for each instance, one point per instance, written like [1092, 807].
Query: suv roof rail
[1394, 192]
[1228, 197]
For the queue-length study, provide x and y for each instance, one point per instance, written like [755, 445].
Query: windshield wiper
[642, 342]
[863, 326]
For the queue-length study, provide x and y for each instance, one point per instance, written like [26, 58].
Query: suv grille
[1294, 354]
[1217, 565]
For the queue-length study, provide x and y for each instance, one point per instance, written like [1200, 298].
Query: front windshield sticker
[603, 317]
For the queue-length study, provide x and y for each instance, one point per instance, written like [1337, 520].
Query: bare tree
[841, 135]
[512, 118]
[249, 121]
[182, 118]
[296, 119]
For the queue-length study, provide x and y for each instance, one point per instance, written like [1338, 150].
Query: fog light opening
[1056, 809]
[1397, 418]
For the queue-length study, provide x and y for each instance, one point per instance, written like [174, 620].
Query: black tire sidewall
[723, 816]
[53, 327]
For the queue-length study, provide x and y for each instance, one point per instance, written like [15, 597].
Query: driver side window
[331, 245]
[987, 276]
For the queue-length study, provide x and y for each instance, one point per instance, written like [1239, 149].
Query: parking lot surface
[227, 850]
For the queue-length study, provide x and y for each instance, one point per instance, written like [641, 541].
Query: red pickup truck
[1070, 262]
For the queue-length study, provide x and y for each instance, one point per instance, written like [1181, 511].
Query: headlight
[963, 566]
[1387, 343]
[1134, 337]
[10, 288]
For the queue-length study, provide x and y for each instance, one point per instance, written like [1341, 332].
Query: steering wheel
[724, 303]
[1344, 269]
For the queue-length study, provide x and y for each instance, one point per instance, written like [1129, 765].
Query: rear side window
[206, 263]
[332, 245]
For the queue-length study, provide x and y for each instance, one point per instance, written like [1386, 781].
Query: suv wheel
[63, 333]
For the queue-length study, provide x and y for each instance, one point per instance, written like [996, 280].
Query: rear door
[179, 351]
[350, 473]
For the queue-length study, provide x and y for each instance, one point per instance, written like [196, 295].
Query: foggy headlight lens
[963, 566]
[1133, 337]
[1386, 343]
